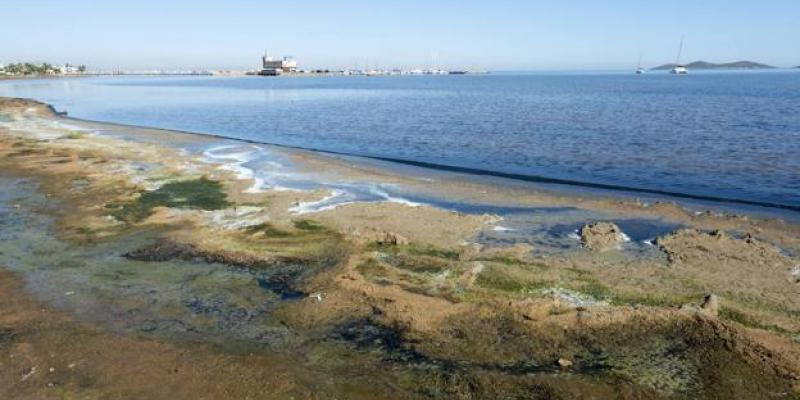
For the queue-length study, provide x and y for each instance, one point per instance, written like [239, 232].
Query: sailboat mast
[680, 50]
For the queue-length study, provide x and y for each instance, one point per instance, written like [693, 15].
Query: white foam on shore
[387, 197]
[241, 173]
[257, 186]
[329, 207]
[235, 161]
[319, 205]
[68, 127]
[270, 174]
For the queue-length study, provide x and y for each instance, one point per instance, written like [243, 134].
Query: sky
[492, 35]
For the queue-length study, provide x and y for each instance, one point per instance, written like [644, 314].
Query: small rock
[368, 235]
[601, 236]
[392, 238]
[711, 304]
[564, 363]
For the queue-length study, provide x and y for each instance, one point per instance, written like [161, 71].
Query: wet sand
[356, 280]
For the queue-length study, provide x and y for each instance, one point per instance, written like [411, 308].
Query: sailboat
[639, 69]
[679, 69]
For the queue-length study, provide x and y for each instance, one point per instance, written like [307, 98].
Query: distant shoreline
[495, 73]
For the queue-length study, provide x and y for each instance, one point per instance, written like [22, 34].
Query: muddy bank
[46, 354]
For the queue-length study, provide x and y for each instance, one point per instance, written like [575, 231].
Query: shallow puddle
[554, 230]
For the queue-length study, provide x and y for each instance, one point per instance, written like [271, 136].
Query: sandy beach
[145, 263]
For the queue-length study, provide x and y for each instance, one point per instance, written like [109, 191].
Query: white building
[272, 67]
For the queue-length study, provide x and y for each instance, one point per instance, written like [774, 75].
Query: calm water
[728, 135]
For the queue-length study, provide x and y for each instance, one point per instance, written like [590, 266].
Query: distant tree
[28, 68]
[13, 69]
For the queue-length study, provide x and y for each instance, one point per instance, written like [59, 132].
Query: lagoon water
[731, 135]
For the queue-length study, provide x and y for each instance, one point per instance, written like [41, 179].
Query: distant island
[698, 65]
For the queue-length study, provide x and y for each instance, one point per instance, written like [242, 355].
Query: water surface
[733, 135]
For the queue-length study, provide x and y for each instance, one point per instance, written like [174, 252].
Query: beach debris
[602, 236]
[564, 363]
[316, 296]
[70, 293]
[795, 272]
[710, 304]
[574, 235]
[28, 373]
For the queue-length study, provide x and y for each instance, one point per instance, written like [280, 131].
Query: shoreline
[612, 189]
[436, 284]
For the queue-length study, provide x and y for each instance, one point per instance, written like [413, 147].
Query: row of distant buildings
[271, 66]
[23, 69]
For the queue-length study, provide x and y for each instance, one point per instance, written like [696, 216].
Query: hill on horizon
[699, 65]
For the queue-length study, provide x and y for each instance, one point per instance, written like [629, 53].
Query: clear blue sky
[498, 35]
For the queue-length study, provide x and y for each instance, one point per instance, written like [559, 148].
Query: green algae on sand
[201, 194]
